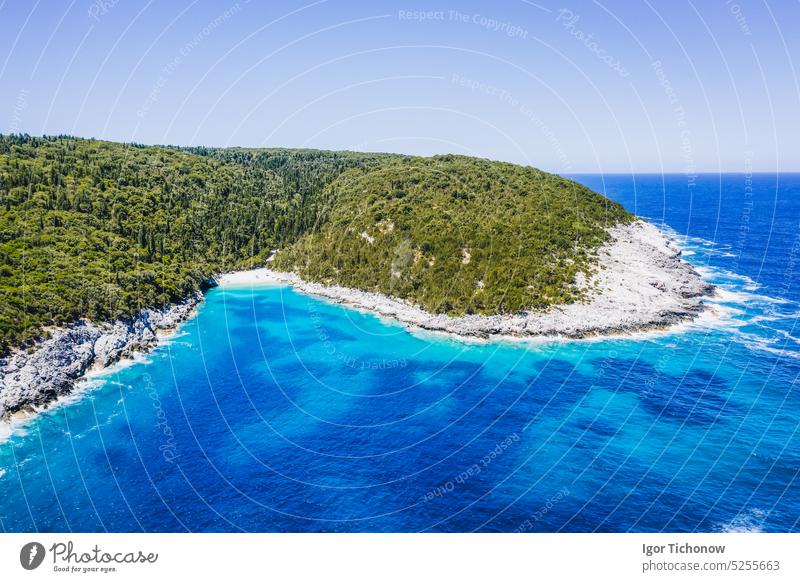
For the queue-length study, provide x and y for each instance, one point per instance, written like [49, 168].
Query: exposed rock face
[641, 283]
[34, 379]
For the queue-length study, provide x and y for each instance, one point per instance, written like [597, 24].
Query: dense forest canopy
[457, 235]
[101, 230]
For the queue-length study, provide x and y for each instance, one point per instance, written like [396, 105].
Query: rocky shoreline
[53, 366]
[642, 284]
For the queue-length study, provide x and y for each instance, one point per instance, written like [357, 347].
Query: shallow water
[273, 411]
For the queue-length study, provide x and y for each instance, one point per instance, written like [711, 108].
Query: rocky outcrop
[641, 283]
[50, 369]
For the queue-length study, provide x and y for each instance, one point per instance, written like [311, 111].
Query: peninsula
[106, 246]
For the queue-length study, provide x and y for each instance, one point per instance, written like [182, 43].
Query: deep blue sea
[273, 411]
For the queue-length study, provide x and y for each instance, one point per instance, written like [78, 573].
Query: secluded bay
[274, 411]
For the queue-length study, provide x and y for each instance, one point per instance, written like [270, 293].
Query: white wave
[732, 288]
[686, 239]
[719, 273]
[749, 522]
[781, 352]
[725, 295]
[767, 345]
[770, 299]
[769, 317]
[172, 338]
[97, 374]
[705, 246]
[717, 316]
[15, 426]
[18, 424]
[786, 335]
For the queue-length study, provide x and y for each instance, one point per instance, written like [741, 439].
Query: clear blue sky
[574, 86]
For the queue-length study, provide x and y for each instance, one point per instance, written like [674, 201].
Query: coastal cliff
[54, 365]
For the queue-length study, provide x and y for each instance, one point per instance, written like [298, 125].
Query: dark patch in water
[697, 397]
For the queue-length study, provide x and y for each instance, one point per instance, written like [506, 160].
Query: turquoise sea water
[273, 411]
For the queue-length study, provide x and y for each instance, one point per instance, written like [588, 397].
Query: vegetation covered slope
[457, 235]
[101, 230]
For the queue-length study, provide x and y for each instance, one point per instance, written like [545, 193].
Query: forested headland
[102, 230]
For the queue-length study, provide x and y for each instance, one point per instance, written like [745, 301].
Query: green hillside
[456, 235]
[100, 230]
